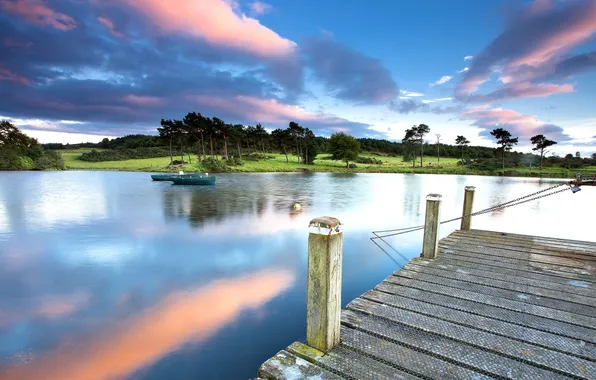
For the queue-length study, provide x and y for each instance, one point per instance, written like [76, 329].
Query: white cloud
[260, 8]
[463, 70]
[468, 57]
[436, 100]
[444, 79]
[409, 93]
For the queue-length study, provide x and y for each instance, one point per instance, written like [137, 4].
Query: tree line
[21, 152]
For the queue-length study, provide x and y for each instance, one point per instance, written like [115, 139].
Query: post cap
[325, 225]
[470, 188]
[434, 197]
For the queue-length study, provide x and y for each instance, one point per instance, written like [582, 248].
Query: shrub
[235, 161]
[369, 160]
[49, 160]
[352, 166]
[10, 159]
[215, 166]
[125, 154]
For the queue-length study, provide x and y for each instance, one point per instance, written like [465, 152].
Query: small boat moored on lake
[163, 177]
[194, 180]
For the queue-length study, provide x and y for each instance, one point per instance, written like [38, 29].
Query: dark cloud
[531, 50]
[348, 74]
[412, 106]
[118, 78]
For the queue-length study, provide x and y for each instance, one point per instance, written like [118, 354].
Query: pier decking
[491, 305]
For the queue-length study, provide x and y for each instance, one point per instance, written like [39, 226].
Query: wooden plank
[494, 312]
[583, 248]
[413, 361]
[526, 297]
[566, 345]
[287, 366]
[482, 267]
[485, 342]
[518, 236]
[525, 288]
[500, 255]
[578, 274]
[521, 249]
[348, 363]
[520, 306]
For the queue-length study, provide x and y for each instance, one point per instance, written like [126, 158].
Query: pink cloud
[110, 25]
[260, 8]
[8, 75]
[144, 101]
[530, 48]
[217, 22]
[259, 110]
[62, 306]
[523, 126]
[37, 12]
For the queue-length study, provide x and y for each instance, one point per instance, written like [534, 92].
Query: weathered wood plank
[403, 357]
[520, 306]
[526, 297]
[514, 242]
[532, 260]
[538, 268]
[348, 363]
[547, 239]
[574, 347]
[538, 356]
[287, 366]
[518, 250]
[525, 288]
[517, 275]
[494, 312]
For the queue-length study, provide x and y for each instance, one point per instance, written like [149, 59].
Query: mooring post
[323, 305]
[430, 244]
[466, 221]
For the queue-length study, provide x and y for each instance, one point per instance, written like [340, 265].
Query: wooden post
[431, 226]
[323, 305]
[466, 222]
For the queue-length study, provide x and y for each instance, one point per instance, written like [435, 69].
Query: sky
[81, 70]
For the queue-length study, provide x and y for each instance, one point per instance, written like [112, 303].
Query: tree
[214, 128]
[505, 140]
[260, 135]
[296, 132]
[462, 142]
[194, 125]
[12, 137]
[540, 143]
[578, 155]
[416, 134]
[344, 147]
[310, 147]
[281, 138]
[237, 131]
[168, 131]
[438, 147]
[226, 130]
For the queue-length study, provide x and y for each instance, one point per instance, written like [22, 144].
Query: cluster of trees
[122, 154]
[196, 131]
[21, 152]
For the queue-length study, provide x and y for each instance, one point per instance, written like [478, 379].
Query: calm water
[110, 275]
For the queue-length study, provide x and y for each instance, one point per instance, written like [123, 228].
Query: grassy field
[278, 164]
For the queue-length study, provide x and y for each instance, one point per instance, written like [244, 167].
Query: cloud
[436, 100]
[522, 126]
[260, 8]
[463, 70]
[444, 79]
[409, 93]
[413, 106]
[468, 58]
[7, 75]
[110, 25]
[37, 12]
[217, 22]
[144, 101]
[273, 112]
[183, 317]
[519, 90]
[348, 74]
[533, 48]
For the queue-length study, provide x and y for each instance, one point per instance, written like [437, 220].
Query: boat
[163, 177]
[193, 180]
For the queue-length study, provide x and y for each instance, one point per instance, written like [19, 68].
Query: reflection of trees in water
[214, 204]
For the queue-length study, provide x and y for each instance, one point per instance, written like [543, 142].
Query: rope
[514, 202]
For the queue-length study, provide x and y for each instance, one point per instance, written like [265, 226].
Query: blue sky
[80, 70]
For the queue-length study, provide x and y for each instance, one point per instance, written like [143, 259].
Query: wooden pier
[489, 305]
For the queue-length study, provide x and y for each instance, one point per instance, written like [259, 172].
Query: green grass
[279, 164]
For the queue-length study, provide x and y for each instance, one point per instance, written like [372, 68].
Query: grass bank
[278, 164]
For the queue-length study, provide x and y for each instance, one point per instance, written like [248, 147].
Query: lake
[110, 275]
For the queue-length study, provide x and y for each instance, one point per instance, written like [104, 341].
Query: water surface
[109, 275]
